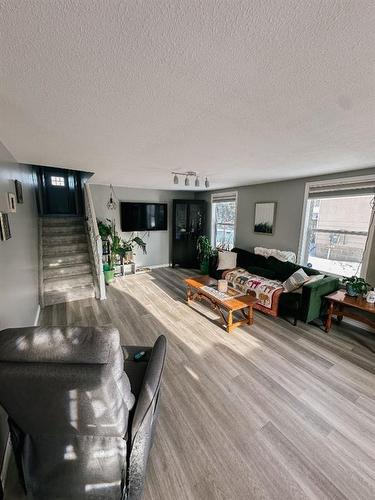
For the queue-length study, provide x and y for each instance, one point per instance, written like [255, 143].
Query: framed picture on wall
[265, 213]
[12, 206]
[19, 193]
[4, 227]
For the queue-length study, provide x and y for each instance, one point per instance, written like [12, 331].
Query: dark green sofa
[306, 307]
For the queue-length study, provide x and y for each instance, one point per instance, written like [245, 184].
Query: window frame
[214, 199]
[303, 234]
[56, 182]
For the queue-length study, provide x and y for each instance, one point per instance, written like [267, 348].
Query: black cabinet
[189, 222]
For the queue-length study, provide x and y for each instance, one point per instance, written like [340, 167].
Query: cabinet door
[196, 218]
[181, 226]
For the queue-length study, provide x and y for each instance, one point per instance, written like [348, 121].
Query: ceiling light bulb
[187, 182]
[175, 179]
[206, 183]
[196, 182]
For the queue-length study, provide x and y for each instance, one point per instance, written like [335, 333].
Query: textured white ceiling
[241, 91]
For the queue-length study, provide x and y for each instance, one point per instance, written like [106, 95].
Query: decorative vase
[370, 297]
[350, 291]
[109, 276]
[222, 286]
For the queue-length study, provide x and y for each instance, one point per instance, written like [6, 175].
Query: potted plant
[204, 251]
[127, 247]
[356, 286]
[107, 231]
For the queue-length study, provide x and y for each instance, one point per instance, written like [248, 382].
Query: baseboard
[36, 321]
[157, 266]
[5, 464]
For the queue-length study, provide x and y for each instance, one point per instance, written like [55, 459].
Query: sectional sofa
[305, 304]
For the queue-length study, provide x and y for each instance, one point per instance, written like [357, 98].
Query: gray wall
[19, 297]
[158, 242]
[289, 196]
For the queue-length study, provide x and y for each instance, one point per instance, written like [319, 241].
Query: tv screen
[143, 216]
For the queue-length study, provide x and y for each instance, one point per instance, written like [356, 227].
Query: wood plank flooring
[270, 411]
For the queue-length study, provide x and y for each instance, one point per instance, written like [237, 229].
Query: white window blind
[336, 190]
[224, 213]
[224, 197]
[338, 219]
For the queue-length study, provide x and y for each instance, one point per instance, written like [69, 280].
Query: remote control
[139, 355]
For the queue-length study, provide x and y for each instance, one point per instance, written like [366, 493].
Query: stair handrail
[95, 241]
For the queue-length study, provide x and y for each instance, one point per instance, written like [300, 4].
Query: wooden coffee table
[341, 305]
[226, 308]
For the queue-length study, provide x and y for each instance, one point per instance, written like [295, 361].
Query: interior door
[60, 191]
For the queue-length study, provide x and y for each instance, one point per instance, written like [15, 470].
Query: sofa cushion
[246, 259]
[282, 269]
[262, 271]
[285, 269]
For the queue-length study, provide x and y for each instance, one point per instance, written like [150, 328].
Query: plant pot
[204, 266]
[350, 291]
[109, 276]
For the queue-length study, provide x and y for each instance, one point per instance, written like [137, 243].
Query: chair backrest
[68, 401]
[143, 423]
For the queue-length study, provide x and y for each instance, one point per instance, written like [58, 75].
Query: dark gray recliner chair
[81, 411]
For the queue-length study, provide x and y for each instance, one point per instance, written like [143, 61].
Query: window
[224, 211]
[57, 181]
[337, 222]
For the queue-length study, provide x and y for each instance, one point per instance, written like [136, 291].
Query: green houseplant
[117, 247]
[127, 247]
[204, 252]
[107, 231]
[356, 286]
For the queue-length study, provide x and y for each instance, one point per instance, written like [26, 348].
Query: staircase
[65, 262]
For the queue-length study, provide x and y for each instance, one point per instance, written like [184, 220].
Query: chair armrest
[312, 294]
[325, 285]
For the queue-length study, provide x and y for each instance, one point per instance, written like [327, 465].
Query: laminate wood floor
[270, 411]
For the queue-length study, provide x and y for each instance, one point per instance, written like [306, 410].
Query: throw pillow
[226, 260]
[295, 280]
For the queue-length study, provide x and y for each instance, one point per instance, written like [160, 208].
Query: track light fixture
[187, 176]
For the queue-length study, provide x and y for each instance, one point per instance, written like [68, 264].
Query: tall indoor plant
[108, 233]
[205, 252]
[117, 247]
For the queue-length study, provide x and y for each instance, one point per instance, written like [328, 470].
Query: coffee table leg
[189, 294]
[229, 321]
[329, 317]
[250, 320]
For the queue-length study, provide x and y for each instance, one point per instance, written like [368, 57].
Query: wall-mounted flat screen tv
[143, 216]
